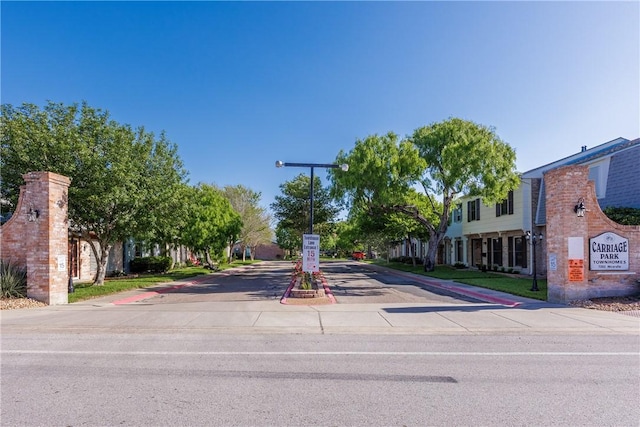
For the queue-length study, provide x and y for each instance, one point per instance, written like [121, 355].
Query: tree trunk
[101, 254]
[244, 253]
[411, 254]
[207, 255]
[101, 272]
[230, 245]
[432, 252]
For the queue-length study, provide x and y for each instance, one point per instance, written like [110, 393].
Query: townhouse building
[481, 235]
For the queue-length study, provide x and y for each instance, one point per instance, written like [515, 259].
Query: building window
[476, 252]
[459, 251]
[496, 251]
[457, 213]
[473, 210]
[506, 206]
[517, 252]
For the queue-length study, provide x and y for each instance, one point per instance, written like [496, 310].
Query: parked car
[358, 255]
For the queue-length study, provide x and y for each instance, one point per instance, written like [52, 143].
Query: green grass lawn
[510, 283]
[84, 291]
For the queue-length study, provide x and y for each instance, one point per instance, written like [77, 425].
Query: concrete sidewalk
[500, 314]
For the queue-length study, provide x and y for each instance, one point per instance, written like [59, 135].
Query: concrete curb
[485, 295]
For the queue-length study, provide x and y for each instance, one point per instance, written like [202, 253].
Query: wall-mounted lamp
[580, 209]
[32, 214]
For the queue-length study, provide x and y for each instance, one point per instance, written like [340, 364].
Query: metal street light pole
[534, 241]
[344, 167]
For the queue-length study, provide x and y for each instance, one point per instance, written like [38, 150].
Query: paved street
[246, 300]
[393, 350]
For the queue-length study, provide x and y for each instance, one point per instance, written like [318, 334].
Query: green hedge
[150, 264]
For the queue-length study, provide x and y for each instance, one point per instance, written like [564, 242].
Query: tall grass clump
[13, 280]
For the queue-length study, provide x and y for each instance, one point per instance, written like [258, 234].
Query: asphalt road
[338, 380]
[185, 357]
[351, 283]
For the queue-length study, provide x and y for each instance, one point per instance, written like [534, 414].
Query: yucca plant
[13, 280]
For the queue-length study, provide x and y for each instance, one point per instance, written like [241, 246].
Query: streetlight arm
[280, 164]
[344, 167]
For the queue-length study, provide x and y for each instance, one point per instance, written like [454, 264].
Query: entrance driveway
[247, 300]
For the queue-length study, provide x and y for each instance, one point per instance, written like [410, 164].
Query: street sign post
[310, 253]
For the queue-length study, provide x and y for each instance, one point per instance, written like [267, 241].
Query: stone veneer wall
[564, 186]
[41, 245]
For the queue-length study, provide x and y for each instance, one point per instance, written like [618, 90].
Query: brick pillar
[47, 237]
[567, 236]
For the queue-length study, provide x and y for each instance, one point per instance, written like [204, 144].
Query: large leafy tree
[212, 224]
[256, 221]
[288, 240]
[292, 209]
[446, 160]
[385, 227]
[122, 178]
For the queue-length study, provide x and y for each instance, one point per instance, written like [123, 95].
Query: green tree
[291, 209]
[212, 224]
[447, 159]
[256, 221]
[122, 178]
[288, 239]
[623, 215]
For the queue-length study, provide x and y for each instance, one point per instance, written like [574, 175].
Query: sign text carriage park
[608, 251]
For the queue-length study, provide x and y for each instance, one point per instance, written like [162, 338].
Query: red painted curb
[327, 291]
[462, 291]
[150, 294]
[283, 300]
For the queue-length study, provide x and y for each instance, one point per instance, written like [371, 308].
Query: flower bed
[308, 287]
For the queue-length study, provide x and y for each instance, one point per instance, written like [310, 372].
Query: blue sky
[239, 85]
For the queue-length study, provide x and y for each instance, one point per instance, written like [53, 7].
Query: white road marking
[319, 353]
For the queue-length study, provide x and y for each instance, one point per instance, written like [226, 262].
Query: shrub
[623, 215]
[13, 280]
[151, 264]
[459, 265]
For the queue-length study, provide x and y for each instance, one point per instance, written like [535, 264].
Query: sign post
[310, 253]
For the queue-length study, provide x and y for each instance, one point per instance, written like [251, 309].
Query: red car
[358, 255]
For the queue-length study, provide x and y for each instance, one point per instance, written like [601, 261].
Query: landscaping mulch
[617, 304]
[14, 303]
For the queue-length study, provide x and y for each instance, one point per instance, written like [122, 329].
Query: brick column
[567, 236]
[47, 237]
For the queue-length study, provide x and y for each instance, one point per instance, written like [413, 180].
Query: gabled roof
[602, 150]
[607, 149]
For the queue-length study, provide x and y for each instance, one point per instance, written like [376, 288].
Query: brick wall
[40, 245]
[269, 251]
[567, 240]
